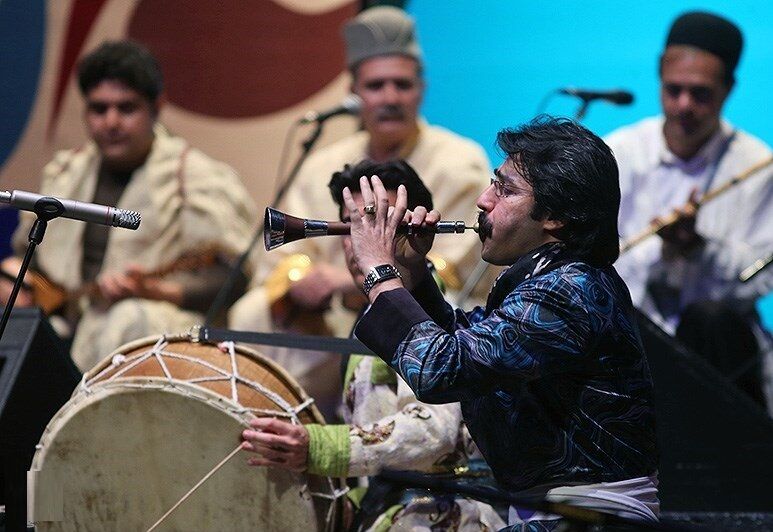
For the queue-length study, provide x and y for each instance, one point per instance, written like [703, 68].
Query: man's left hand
[278, 444]
[373, 234]
[135, 282]
[680, 237]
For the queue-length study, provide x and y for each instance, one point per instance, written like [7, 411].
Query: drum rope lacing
[288, 411]
[158, 352]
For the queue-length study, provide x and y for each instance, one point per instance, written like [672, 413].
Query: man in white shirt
[686, 278]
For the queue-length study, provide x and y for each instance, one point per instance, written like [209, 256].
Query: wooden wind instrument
[672, 218]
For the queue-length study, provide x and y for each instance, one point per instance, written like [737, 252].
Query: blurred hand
[315, 290]
[25, 298]
[680, 237]
[134, 283]
[278, 444]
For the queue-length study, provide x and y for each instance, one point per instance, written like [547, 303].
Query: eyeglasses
[503, 190]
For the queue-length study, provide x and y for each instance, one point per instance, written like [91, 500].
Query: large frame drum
[150, 421]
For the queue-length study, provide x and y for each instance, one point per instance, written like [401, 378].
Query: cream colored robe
[187, 200]
[453, 168]
[387, 428]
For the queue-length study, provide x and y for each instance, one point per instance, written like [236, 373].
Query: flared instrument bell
[280, 228]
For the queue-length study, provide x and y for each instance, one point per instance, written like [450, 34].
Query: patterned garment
[553, 381]
[388, 429]
[536, 526]
[438, 513]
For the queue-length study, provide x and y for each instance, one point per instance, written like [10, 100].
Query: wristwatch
[379, 274]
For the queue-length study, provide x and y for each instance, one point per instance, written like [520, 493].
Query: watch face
[379, 273]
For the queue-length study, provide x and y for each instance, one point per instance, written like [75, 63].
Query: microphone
[75, 210]
[349, 106]
[617, 97]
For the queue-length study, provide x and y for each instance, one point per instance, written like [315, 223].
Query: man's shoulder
[635, 131]
[748, 146]
[576, 281]
[64, 161]
[349, 149]
[438, 138]
[636, 147]
[173, 154]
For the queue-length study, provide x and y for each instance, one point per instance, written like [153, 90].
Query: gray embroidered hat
[382, 30]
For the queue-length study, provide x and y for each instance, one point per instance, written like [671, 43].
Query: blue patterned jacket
[553, 382]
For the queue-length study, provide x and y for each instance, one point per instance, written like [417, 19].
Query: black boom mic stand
[46, 210]
[225, 291]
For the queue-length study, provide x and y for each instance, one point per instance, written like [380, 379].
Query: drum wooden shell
[149, 421]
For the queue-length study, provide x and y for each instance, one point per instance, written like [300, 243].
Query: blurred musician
[686, 278]
[306, 283]
[188, 202]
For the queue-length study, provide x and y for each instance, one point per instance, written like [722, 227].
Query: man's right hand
[25, 298]
[315, 290]
[680, 237]
[277, 444]
[411, 251]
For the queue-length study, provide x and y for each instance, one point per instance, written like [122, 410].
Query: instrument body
[51, 297]
[149, 421]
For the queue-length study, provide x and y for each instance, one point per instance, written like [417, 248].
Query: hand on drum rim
[278, 444]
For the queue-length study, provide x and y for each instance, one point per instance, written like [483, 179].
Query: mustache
[390, 111]
[485, 227]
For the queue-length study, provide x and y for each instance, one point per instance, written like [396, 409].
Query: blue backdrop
[491, 62]
[22, 30]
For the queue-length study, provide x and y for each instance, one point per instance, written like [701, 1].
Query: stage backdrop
[491, 63]
[239, 72]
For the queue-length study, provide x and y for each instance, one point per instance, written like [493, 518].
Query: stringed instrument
[51, 297]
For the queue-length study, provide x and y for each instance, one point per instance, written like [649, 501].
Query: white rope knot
[337, 494]
[303, 406]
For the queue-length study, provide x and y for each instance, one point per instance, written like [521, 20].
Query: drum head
[120, 456]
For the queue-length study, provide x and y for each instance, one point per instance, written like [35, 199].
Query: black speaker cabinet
[716, 444]
[37, 377]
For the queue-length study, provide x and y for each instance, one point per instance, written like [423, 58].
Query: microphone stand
[46, 209]
[222, 295]
[580, 114]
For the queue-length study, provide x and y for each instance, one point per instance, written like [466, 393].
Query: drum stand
[46, 209]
